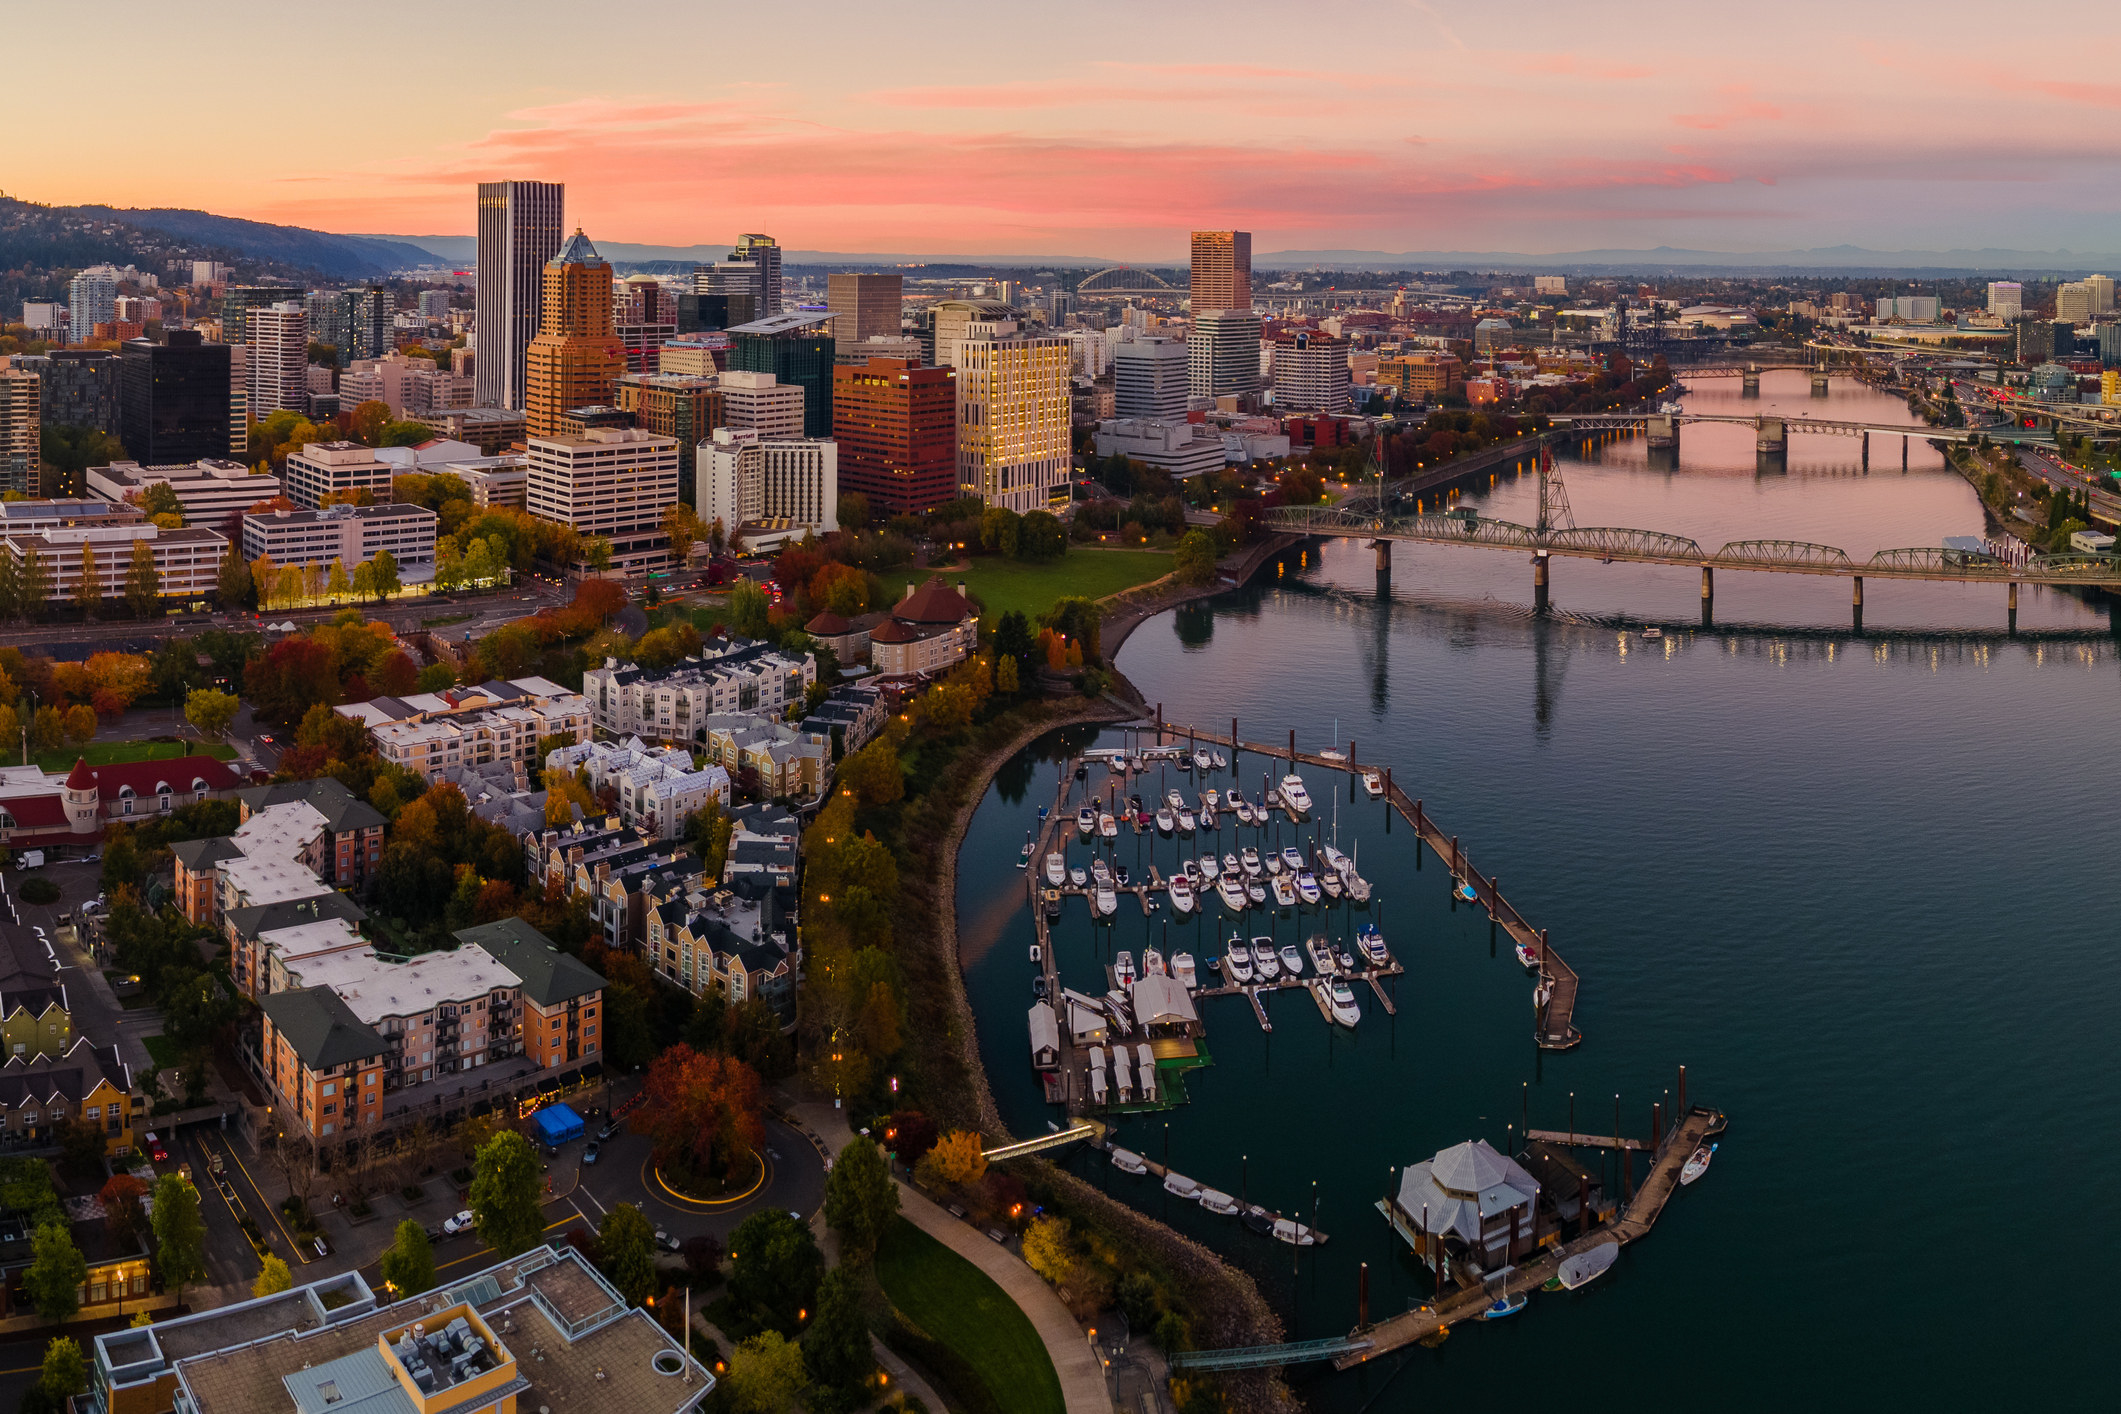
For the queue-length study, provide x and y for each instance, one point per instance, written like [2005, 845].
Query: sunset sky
[1103, 129]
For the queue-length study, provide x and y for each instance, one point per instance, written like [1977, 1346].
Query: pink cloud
[1571, 64]
[2090, 95]
[1738, 104]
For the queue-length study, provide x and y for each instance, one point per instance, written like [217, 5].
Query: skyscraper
[1223, 353]
[2006, 297]
[1013, 394]
[331, 316]
[375, 323]
[1222, 270]
[173, 399]
[896, 424]
[863, 306]
[576, 359]
[521, 225]
[1148, 378]
[794, 348]
[239, 300]
[761, 251]
[19, 401]
[948, 321]
[91, 299]
[1310, 372]
[279, 359]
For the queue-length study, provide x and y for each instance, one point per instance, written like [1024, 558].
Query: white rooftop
[374, 989]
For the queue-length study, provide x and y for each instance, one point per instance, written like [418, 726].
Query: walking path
[1082, 1378]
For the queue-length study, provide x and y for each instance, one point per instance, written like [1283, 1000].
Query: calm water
[1860, 887]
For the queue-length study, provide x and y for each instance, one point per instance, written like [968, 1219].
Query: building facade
[762, 403]
[278, 336]
[674, 704]
[347, 534]
[187, 561]
[326, 468]
[1222, 354]
[576, 359]
[520, 225]
[1222, 271]
[786, 488]
[864, 306]
[1149, 378]
[896, 425]
[173, 399]
[1311, 372]
[21, 398]
[1013, 427]
[796, 349]
[614, 482]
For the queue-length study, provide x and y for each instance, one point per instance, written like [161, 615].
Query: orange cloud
[1739, 104]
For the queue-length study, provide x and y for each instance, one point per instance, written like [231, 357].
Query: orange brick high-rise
[576, 359]
[1222, 271]
[896, 424]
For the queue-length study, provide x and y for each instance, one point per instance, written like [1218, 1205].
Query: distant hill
[1822, 259]
[341, 257]
[41, 246]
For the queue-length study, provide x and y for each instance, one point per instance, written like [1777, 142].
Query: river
[1858, 885]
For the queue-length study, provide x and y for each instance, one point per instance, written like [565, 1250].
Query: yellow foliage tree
[1047, 1250]
[956, 1159]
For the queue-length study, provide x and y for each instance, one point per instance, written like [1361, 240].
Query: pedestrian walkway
[1082, 1378]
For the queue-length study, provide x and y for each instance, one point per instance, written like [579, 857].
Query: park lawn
[115, 753]
[958, 1304]
[162, 1051]
[1032, 585]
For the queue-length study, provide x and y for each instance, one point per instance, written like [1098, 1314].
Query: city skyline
[1406, 128]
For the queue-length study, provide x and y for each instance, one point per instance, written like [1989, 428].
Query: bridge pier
[1384, 555]
[1858, 603]
[1866, 439]
[1539, 581]
[1663, 430]
[1819, 383]
[1708, 595]
[1903, 454]
[2013, 624]
[1749, 381]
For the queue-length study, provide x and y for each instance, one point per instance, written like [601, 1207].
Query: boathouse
[1045, 1037]
[1163, 1007]
[1469, 1205]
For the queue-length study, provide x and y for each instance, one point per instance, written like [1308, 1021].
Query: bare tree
[296, 1159]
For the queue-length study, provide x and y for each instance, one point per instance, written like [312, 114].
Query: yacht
[1107, 900]
[1166, 822]
[1192, 872]
[1123, 968]
[1176, 801]
[1264, 959]
[1528, 956]
[1248, 860]
[1321, 953]
[1202, 761]
[1292, 858]
[1374, 783]
[1207, 817]
[1330, 882]
[1056, 869]
[1230, 864]
[1053, 911]
[1210, 867]
[1153, 964]
[1234, 799]
[1237, 961]
[1099, 870]
[1232, 891]
[1125, 1160]
[1272, 861]
[1211, 799]
[1078, 876]
[1181, 894]
[1256, 892]
[1186, 823]
[1294, 795]
[1337, 1000]
[1284, 891]
[1371, 939]
[1292, 961]
[1121, 876]
[1108, 826]
[1307, 886]
[1086, 821]
[1183, 970]
[1357, 886]
[1330, 860]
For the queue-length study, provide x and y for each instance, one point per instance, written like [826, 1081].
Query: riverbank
[1130, 609]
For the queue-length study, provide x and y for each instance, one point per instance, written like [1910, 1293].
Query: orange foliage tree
[702, 1111]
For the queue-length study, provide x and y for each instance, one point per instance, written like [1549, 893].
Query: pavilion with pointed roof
[1469, 1204]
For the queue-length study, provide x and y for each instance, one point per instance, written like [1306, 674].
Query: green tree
[766, 1374]
[211, 710]
[860, 1200]
[143, 582]
[775, 1267]
[364, 580]
[409, 1262]
[35, 585]
[10, 587]
[853, 510]
[161, 499]
[1000, 529]
[504, 1194]
[71, 450]
[386, 574]
[626, 1252]
[1041, 536]
[836, 1347]
[65, 1369]
[234, 583]
[1195, 559]
[56, 1272]
[88, 594]
[596, 553]
[436, 676]
[338, 586]
[273, 1277]
[180, 1234]
[749, 610]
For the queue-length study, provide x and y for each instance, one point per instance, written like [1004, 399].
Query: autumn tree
[703, 1110]
[956, 1160]
[88, 593]
[211, 711]
[273, 1277]
[143, 582]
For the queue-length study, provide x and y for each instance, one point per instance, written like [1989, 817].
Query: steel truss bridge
[1614, 422]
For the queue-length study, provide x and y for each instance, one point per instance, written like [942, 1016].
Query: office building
[610, 482]
[645, 317]
[173, 399]
[21, 396]
[796, 349]
[494, 481]
[774, 491]
[46, 320]
[521, 226]
[188, 559]
[763, 403]
[348, 534]
[701, 354]
[239, 300]
[333, 468]
[1550, 284]
[1421, 377]
[1222, 354]
[212, 490]
[724, 294]
[433, 305]
[949, 322]
[576, 359]
[1013, 429]
[762, 251]
[2073, 302]
[331, 320]
[896, 425]
[492, 430]
[899, 346]
[1222, 270]
[91, 299]
[1181, 448]
[1310, 372]
[864, 306]
[210, 272]
[79, 387]
[1149, 378]
[375, 323]
[411, 387]
[278, 340]
[2102, 293]
[686, 408]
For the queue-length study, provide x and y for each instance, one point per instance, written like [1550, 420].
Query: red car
[155, 1150]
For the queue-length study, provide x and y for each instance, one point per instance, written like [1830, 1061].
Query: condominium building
[325, 468]
[278, 336]
[1149, 378]
[211, 490]
[80, 389]
[347, 534]
[331, 320]
[1222, 270]
[1223, 354]
[614, 482]
[737, 940]
[1013, 430]
[576, 359]
[21, 395]
[1311, 372]
[864, 306]
[951, 322]
[437, 734]
[762, 403]
[896, 425]
[173, 399]
[773, 491]
[659, 790]
[765, 253]
[188, 561]
[237, 301]
[91, 299]
[413, 388]
[769, 758]
[673, 704]
[520, 225]
[796, 349]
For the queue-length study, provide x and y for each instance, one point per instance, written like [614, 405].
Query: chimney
[908, 594]
[961, 589]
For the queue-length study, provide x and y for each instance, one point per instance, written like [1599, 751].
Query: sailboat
[1698, 1165]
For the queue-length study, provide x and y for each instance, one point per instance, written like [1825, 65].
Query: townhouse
[673, 704]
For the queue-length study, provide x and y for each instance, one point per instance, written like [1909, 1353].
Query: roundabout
[660, 1188]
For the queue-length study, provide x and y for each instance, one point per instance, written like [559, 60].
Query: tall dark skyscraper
[795, 349]
[764, 252]
[173, 399]
[521, 226]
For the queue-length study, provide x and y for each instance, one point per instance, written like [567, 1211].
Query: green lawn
[1032, 585]
[162, 1050]
[959, 1305]
[113, 753]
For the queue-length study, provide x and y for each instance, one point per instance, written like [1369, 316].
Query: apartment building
[35, 1020]
[658, 789]
[348, 534]
[323, 468]
[762, 403]
[767, 757]
[414, 388]
[1013, 417]
[613, 482]
[773, 492]
[437, 733]
[736, 940]
[278, 338]
[673, 704]
[86, 1084]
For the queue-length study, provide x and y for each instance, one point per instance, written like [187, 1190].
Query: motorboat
[1292, 858]
[1123, 968]
[1108, 826]
[1125, 1160]
[1374, 784]
[1191, 870]
[1332, 753]
[1529, 956]
[1294, 1233]
[1023, 855]
[1180, 1186]
[1038, 954]
[1153, 964]
[1202, 761]
[1284, 891]
[1338, 998]
[1187, 824]
[1585, 1266]
[1321, 954]
[1346, 960]
[1292, 960]
[1698, 1165]
[1120, 874]
[1183, 972]
[1652, 633]
[1056, 868]
[1217, 1201]
[1078, 876]
[1233, 893]
[1371, 939]
[1237, 960]
[1086, 820]
[1506, 1306]
[1219, 761]
[1181, 894]
[1307, 886]
[1255, 893]
[1230, 865]
[1264, 959]
[1258, 1220]
[1330, 883]
[1176, 801]
[1107, 900]
[1207, 818]
[1294, 795]
[1099, 870]
[1210, 867]
[1357, 886]
[1211, 798]
[1248, 860]
[1053, 906]
[1180, 759]
[1166, 822]
[1038, 986]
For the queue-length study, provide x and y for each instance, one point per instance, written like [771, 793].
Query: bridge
[1083, 1129]
[1766, 428]
[1253, 1357]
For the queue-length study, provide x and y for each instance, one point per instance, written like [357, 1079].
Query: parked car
[589, 1152]
[155, 1150]
[320, 1247]
[610, 1129]
[462, 1222]
[665, 1241]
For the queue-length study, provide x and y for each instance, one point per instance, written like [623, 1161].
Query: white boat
[1182, 968]
[1176, 801]
[1698, 1165]
[1248, 860]
[1056, 869]
[1357, 886]
[1108, 826]
[1264, 959]
[1529, 956]
[1217, 1201]
[1230, 865]
[1292, 858]
[1086, 820]
[1294, 1233]
[1371, 939]
[1153, 964]
[1652, 634]
[1127, 1161]
[1284, 892]
[1037, 953]
[1192, 872]
[1078, 876]
[1123, 968]
[1255, 893]
[1107, 900]
[1181, 893]
[1099, 870]
[1339, 1000]
[1221, 762]
[1233, 893]
[1234, 799]
[1321, 954]
[1307, 886]
[1186, 823]
[1210, 867]
[1587, 1265]
[1145, 1070]
[1211, 799]
[1180, 1186]
[1374, 783]
[1332, 753]
[1237, 961]
[1331, 884]
[1202, 761]
[1099, 1087]
[1166, 822]
[1330, 860]
[1294, 795]
[1122, 1074]
[1292, 960]
[1207, 819]
[1346, 960]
